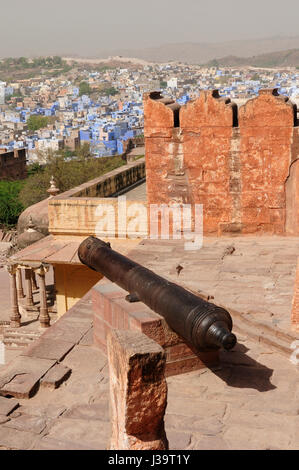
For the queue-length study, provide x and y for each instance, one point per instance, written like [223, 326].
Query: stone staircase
[19, 338]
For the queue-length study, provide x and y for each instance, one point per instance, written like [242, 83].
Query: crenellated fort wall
[241, 164]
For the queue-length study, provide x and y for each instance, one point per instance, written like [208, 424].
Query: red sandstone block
[254, 180]
[107, 313]
[257, 215]
[131, 307]
[156, 147]
[276, 200]
[100, 345]
[178, 351]
[202, 361]
[253, 161]
[209, 188]
[100, 291]
[148, 325]
[254, 199]
[192, 148]
[108, 306]
[158, 119]
[267, 110]
[170, 337]
[118, 315]
[97, 300]
[277, 216]
[279, 229]
[138, 392]
[100, 329]
[259, 229]
[207, 110]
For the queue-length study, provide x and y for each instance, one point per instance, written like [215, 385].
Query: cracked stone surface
[252, 402]
[253, 275]
[7, 405]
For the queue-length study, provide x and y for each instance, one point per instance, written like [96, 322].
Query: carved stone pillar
[20, 290]
[29, 296]
[33, 281]
[44, 317]
[15, 318]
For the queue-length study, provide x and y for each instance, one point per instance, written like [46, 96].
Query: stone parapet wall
[81, 210]
[239, 164]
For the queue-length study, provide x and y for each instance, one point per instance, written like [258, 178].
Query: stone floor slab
[14, 439]
[98, 411]
[21, 377]
[90, 433]
[7, 405]
[55, 376]
[29, 423]
[45, 348]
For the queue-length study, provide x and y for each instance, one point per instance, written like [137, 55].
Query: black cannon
[202, 324]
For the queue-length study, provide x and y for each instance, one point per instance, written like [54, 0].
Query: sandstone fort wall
[241, 164]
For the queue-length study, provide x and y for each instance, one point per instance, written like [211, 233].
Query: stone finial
[30, 225]
[53, 191]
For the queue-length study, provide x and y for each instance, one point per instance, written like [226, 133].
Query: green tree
[36, 122]
[16, 94]
[34, 168]
[110, 91]
[83, 151]
[58, 61]
[10, 205]
[163, 84]
[214, 63]
[67, 174]
[255, 77]
[84, 89]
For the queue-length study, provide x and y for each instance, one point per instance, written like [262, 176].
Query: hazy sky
[32, 27]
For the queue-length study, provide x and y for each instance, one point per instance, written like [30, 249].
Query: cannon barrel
[202, 324]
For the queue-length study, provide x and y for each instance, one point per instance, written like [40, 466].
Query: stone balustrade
[17, 294]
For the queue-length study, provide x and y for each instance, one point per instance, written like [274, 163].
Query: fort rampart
[242, 163]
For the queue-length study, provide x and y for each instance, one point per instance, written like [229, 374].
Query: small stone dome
[28, 237]
[39, 218]
[33, 223]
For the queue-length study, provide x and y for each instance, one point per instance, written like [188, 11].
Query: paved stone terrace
[253, 275]
[252, 402]
[137, 194]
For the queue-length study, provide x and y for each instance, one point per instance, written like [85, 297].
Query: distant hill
[289, 58]
[201, 53]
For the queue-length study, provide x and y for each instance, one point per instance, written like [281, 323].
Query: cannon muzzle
[202, 324]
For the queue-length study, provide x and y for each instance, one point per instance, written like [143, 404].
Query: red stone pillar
[33, 281]
[29, 295]
[43, 315]
[19, 279]
[138, 391]
[15, 318]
